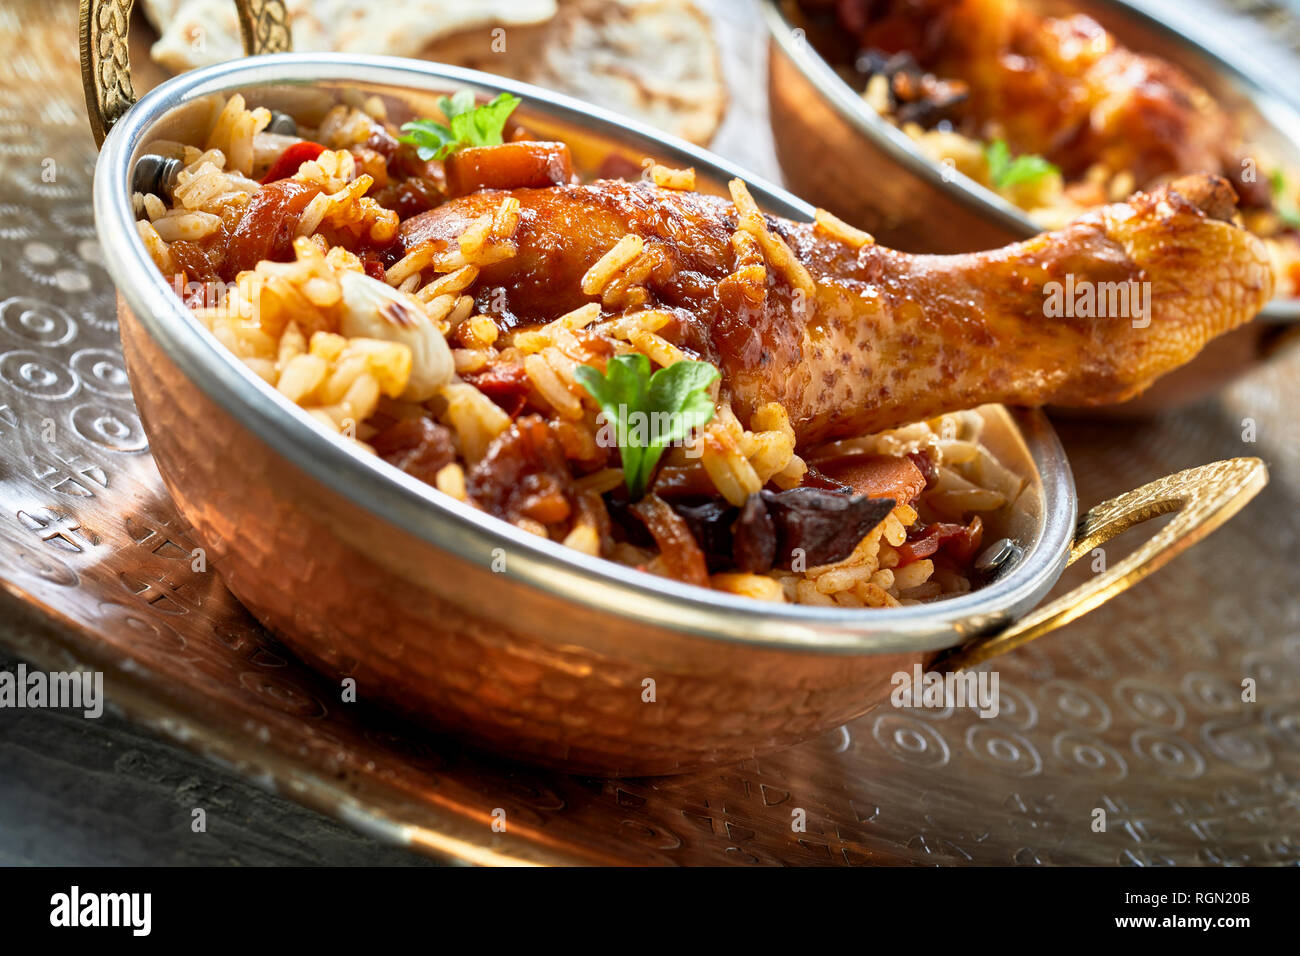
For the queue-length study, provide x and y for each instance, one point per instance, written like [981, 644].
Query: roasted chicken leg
[888, 337]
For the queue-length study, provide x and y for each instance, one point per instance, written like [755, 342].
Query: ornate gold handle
[106, 61]
[1204, 498]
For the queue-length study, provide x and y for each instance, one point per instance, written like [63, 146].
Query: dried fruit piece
[523, 474]
[506, 383]
[267, 226]
[876, 476]
[754, 537]
[418, 446]
[822, 526]
[678, 550]
[772, 527]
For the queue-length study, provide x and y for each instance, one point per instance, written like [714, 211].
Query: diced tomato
[962, 548]
[287, 163]
[504, 383]
[527, 164]
[373, 263]
[618, 166]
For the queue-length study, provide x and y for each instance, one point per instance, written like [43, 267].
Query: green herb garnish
[1286, 210]
[1006, 172]
[649, 412]
[467, 125]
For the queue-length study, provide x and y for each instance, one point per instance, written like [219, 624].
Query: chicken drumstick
[882, 338]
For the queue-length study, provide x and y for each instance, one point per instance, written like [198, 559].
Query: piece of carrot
[876, 476]
[525, 164]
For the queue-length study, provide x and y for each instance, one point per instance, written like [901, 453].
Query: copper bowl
[515, 643]
[839, 154]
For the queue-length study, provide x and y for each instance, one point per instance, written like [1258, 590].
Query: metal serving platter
[1135, 709]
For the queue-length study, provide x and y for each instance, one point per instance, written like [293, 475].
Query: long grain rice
[778, 254]
[282, 321]
[607, 266]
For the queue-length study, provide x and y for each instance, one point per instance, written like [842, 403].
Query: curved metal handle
[1204, 498]
[106, 60]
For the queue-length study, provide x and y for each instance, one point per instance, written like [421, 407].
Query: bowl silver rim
[975, 196]
[470, 535]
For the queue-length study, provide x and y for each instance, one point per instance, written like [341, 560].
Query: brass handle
[1204, 498]
[106, 61]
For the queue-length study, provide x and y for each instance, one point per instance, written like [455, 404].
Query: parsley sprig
[1284, 205]
[467, 125]
[1006, 171]
[648, 413]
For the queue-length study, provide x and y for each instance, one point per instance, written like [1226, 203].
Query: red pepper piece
[287, 163]
[958, 541]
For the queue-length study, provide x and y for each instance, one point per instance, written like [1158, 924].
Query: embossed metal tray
[1136, 709]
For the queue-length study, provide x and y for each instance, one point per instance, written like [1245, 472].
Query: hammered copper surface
[1136, 709]
[518, 671]
[522, 672]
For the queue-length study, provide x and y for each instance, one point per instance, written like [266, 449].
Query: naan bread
[195, 33]
[654, 60]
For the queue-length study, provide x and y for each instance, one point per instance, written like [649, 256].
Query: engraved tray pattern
[1135, 708]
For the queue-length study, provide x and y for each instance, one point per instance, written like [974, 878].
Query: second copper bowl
[838, 153]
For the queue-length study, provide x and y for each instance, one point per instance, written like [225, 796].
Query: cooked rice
[285, 320]
[667, 178]
[778, 254]
[450, 480]
[611, 263]
[837, 228]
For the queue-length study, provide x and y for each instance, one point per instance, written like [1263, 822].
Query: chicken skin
[1090, 314]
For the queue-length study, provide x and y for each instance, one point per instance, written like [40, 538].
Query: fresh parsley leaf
[467, 125]
[649, 412]
[1006, 171]
[432, 140]
[1285, 208]
[620, 392]
[462, 101]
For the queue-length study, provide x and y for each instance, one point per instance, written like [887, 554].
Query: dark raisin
[710, 523]
[822, 526]
[754, 537]
[523, 474]
[418, 446]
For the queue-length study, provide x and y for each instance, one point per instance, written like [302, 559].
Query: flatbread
[195, 33]
[654, 60]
